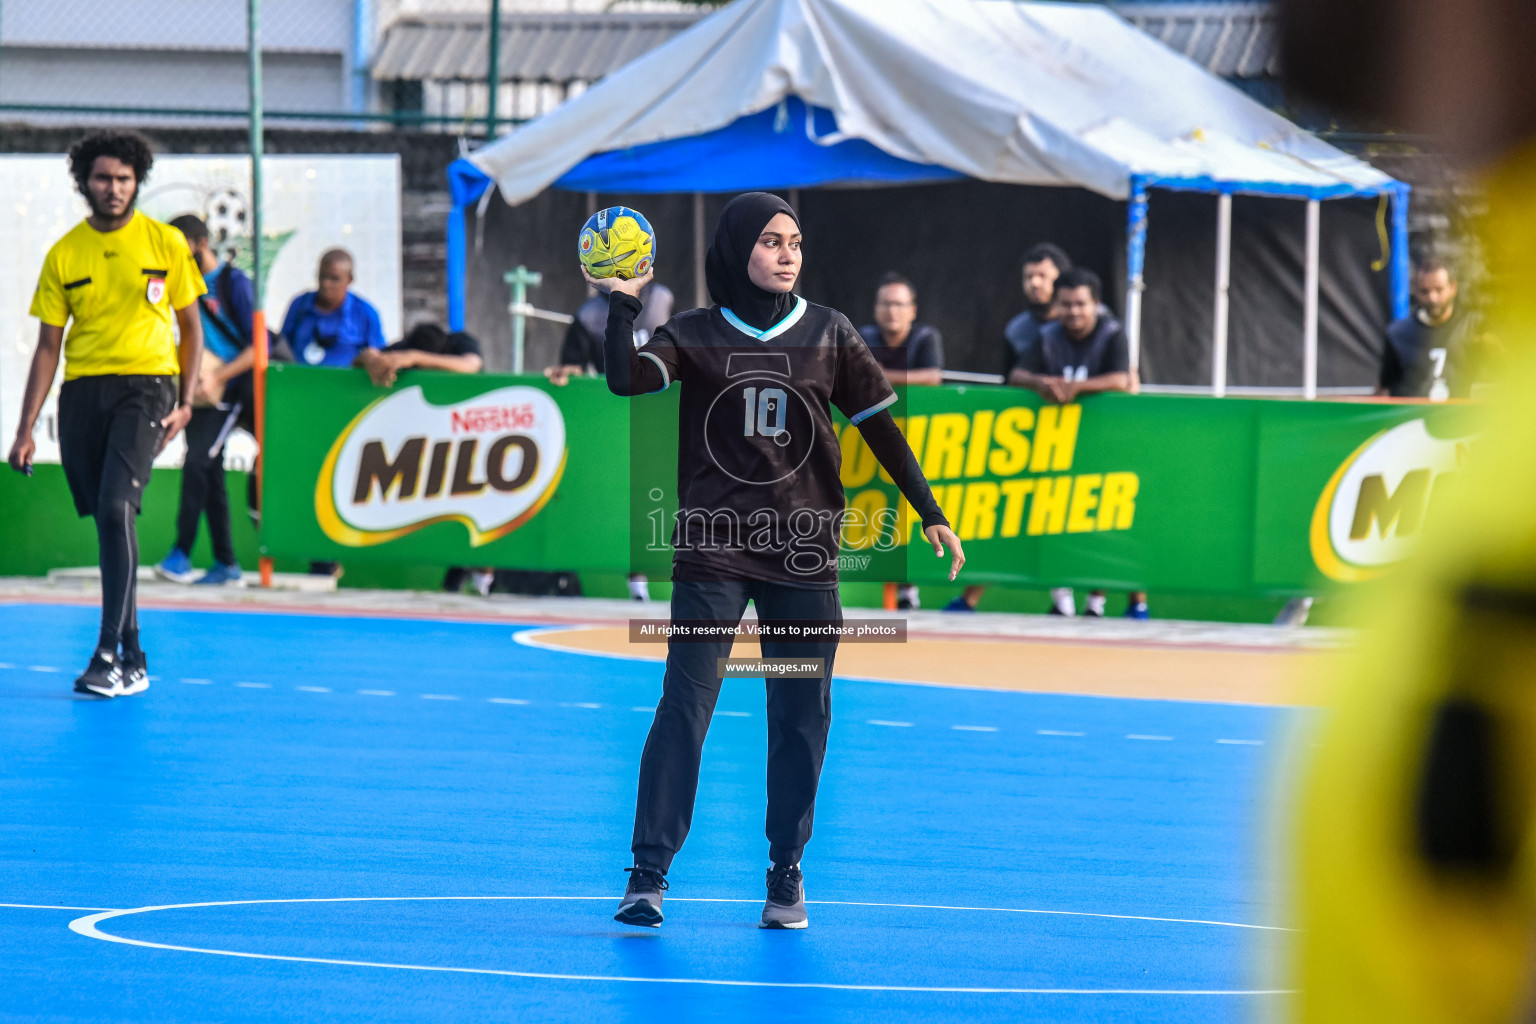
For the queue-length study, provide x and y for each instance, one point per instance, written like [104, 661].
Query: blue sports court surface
[313, 817]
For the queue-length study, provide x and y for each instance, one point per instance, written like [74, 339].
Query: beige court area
[1152, 671]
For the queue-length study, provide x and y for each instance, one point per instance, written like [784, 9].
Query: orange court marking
[1157, 672]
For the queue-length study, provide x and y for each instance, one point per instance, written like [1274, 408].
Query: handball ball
[617, 242]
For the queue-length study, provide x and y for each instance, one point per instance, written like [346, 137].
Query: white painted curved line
[43, 906]
[89, 927]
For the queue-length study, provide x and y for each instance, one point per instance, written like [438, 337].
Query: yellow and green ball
[617, 242]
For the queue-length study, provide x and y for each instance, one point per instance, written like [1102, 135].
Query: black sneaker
[786, 898]
[641, 905]
[103, 677]
[135, 673]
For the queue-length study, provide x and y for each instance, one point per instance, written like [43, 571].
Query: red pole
[259, 336]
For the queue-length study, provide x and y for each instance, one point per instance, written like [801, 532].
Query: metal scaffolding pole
[259, 317]
[493, 70]
[1309, 300]
[1223, 295]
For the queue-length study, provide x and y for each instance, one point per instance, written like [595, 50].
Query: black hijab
[725, 266]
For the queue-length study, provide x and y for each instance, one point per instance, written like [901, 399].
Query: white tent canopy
[1020, 93]
[1016, 93]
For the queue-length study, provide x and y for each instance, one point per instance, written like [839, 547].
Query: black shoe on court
[641, 905]
[786, 898]
[103, 677]
[135, 673]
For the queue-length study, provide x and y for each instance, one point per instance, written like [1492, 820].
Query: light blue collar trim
[792, 318]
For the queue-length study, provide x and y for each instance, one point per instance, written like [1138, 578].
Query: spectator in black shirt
[907, 351]
[1041, 266]
[1083, 352]
[426, 346]
[1426, 354]
[581, 353]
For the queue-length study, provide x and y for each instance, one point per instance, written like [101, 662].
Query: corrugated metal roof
[534, 47]
[1233, 40]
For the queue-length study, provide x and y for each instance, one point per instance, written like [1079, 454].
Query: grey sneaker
[786, 898]
[641, 905]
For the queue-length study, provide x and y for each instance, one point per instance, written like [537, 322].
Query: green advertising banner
[1232, 496]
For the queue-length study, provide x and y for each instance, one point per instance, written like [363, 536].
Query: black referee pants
[799, 717]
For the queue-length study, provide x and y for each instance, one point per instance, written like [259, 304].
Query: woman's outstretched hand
[633, 286]
[941, 537]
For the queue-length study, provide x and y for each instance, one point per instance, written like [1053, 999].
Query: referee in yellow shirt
[117, 280]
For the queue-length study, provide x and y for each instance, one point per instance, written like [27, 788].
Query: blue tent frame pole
[1401, 300]
[1135, 266]
[456, 262]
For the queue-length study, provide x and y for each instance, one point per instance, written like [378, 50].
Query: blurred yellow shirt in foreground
[1410, 854]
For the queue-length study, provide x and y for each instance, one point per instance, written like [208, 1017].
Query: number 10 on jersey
[765, 412]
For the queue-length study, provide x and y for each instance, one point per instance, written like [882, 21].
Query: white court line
[735, 714]
[43, 906]
[6, 664]
[1142, 736]
[1055, 732]
[893, 725]
[377, 693]
[505, 700]
[88, 927]
[199, 682]
[579, 704]
[438, 696]
[41, 668]
[1243, 743]
[650, 710]
[313, 689]
[974, 728]
[255, 686]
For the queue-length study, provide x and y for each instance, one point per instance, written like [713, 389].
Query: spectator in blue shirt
[223, 400]
[331, 326]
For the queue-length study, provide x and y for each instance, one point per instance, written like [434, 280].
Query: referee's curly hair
[131, 148]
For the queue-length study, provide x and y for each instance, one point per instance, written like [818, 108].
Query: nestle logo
[494, 418]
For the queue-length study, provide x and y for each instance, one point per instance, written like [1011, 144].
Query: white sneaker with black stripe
[135, 673]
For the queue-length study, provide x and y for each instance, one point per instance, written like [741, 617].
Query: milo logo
[489, 463]
[1376, 503]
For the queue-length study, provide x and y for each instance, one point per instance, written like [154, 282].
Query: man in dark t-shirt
[581, 352]
[1082, 352]
[1426, 352]
[907, 351]
[1039, 268]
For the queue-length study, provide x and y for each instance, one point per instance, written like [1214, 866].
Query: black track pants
[799, 716]
[203, 489]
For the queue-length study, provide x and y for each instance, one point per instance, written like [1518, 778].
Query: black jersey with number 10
[760, 494]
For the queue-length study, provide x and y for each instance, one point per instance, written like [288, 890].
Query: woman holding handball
[760, 506]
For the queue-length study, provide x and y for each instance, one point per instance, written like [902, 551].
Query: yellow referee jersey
[121, 290]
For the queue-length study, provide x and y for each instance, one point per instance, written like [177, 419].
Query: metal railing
[394, 119]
